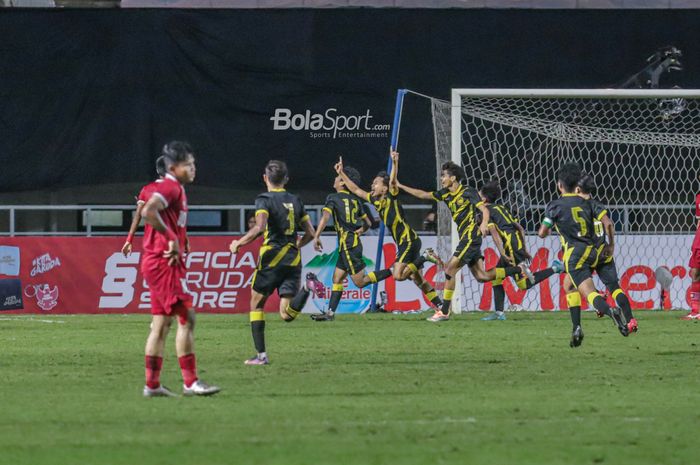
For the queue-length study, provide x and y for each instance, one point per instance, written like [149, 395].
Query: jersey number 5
[576, 213]
[290, 217]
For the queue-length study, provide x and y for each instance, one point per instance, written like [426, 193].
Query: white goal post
[641, 146]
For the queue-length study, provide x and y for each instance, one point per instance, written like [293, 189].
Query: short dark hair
[160, 166]
[587, 184]
[453, 169]
[176, 152]
[353, 174]
[491, 191]
[276, 172]
[568, 175]
[385, 177]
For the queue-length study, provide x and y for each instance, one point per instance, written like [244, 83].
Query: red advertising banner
[91, 275]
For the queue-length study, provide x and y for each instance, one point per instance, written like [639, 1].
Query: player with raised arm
[278, 215]
[573, 218]
[164, 270]
[694, 265]
[350, 222]
[141, 200]
[464, 202]
[509, 237]
[384, 197]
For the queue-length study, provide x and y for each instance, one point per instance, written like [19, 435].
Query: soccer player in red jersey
[141, 200]
[164, 270]
[695, 269]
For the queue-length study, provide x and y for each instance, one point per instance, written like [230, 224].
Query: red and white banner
[90, 275]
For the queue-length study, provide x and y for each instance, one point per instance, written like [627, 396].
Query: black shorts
[286, 279]
[468, 251]
[607, 272]
[350, 259]
[408, 251]
[579, 262]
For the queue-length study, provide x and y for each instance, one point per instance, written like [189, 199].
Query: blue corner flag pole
[400, 93]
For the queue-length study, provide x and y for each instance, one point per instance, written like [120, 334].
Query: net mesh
[642, 152]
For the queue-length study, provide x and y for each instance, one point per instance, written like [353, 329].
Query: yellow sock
[447, 295]
[500, 273]
[257, 315]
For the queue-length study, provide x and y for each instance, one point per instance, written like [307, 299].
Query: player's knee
[360, 281]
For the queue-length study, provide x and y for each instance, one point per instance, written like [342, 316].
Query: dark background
[88, 97]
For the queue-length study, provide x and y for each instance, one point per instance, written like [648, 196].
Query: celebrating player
[384, 197]
[509, 237]
[141, 200]
[279, 215]
[463, 203]
[605, 266]
[695, 269]
[350, 222]
[165, 214]
[573, 217]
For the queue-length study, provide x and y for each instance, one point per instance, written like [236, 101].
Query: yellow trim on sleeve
[327, 209]
[261, 211]
[602, 214]
[305, 218]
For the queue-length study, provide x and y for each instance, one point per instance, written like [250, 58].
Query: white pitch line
[31, 319]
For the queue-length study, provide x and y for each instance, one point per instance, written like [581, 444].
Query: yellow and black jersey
[599, 211]
[348, 216]
[391, 213]
[285, 215]
[573, 217]
[506, 226]
[463, 205]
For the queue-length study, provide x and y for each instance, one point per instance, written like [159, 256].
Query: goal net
[641, 146]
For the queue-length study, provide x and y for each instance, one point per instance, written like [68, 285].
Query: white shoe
[200, 388]
[527, 272]
[160, 391]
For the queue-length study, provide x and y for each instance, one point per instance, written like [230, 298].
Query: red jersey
[172, 194]
[147, 191]
[696, 242]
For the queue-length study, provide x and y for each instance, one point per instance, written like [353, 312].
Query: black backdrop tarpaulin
[88, 97]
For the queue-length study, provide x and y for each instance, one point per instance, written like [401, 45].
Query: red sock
[153, 366]
[695, 297]
[188, 366]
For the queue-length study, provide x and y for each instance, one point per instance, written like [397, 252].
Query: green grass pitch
[378, 389]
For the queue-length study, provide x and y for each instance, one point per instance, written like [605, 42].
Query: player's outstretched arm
[352, 187]
[485, 219]
[308, 233]
[417, 193]
[394, 175]
[252, 234]
[318, 246]
[544, 231]
[126, 248]
[151, 214]
[609, 228]
[521, 232]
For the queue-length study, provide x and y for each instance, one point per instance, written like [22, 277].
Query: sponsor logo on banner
[354, 299]
[44, 263]
[9, 260]
[214, 279]
[330, 124]
[10, 294]
[46, 297]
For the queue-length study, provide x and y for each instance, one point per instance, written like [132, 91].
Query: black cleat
[576, 337]
[323, 317]
[616, 315]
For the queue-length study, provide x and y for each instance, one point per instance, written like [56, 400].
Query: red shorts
[695, 259]
[167, 287]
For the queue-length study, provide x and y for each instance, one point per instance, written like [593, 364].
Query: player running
[278, 215]
[573, 217]
[509, 238]
[350, 222]
[164, 270]
[384, 197]
[464, 202]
